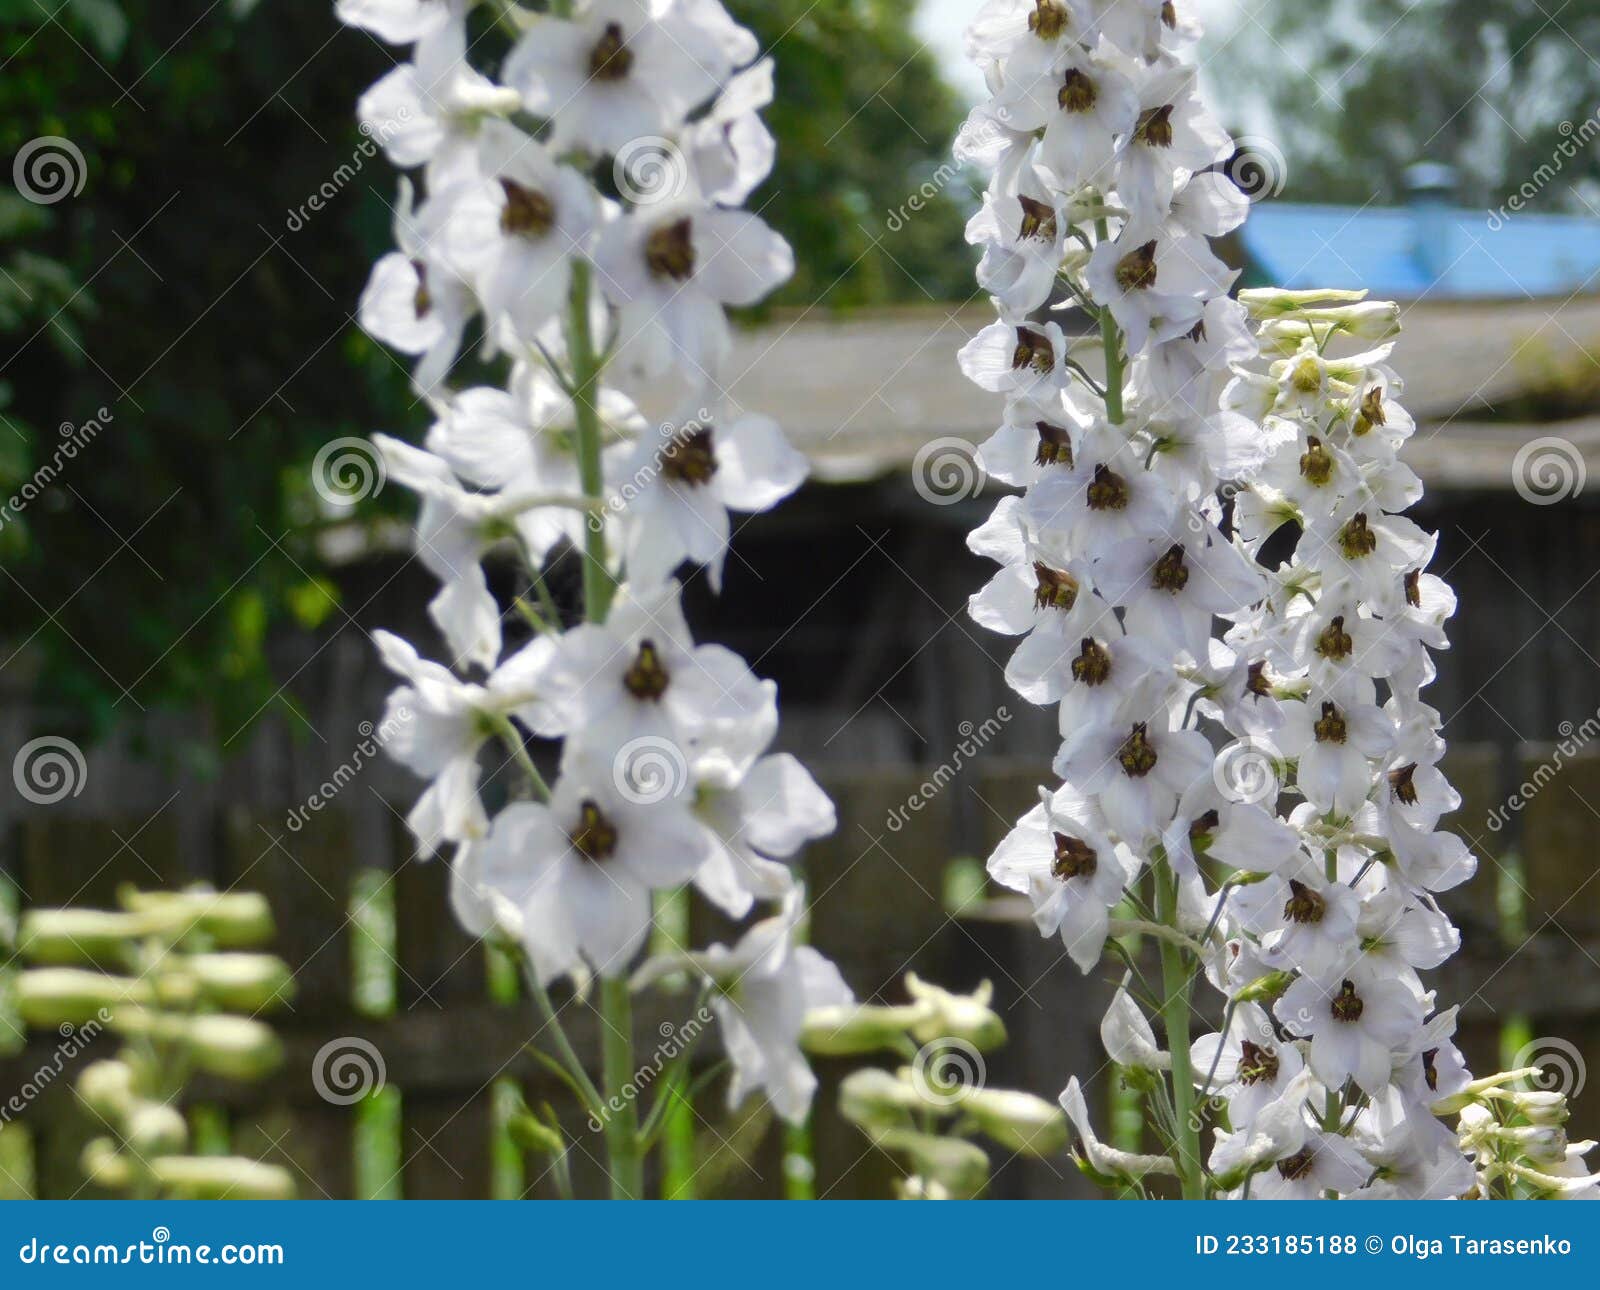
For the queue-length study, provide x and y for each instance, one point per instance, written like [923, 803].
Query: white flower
[400, 21]
[1356, 1023]
[618, 70]
[427, 111]
[730, 149]
[1024, 236]
[436, 724]
[580, 869]
[513, 229]
[414, 303]
[682, 479]
[1248, 1064]
[1174, 136]
[1018, 358]
[765, 986]
[1059, 856]
[1155, 281]
[1102, 1158]
[641, 676]
[671, 266]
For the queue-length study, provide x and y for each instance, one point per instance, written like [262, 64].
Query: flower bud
[222, 1178]
[105, 1167]
[80, 936]
[1019, 1121]
[956, 1016]
[1544, 1109]
[1264, 989]
[242, 982]
[56, 996]
[875, 1100]
[106, 1089]
[154, 1129]
[961, 1168]
[1265, 303]
[534, 1135]
[234, 919]
[851, 1029]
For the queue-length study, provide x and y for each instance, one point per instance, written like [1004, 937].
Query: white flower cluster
[1116, 560]
[601, 289]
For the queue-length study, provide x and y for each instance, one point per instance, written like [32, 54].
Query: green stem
[1176, 980]
[598, 584]
[1111, 340]
[623, 1144]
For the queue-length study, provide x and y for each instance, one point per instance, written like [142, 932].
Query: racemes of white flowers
[572, 207]
[1214, 664]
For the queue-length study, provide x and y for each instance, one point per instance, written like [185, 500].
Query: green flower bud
[876, 1100]
[61, 995]
[1266, 303]
[534, 1135]
[851, 1030]
[1017, 1120]
[234, 1047]
[233, 919]
[91, 937]
[956, 1016]
[104, 1166]
[242, 982]
[1265, 989]
[961, 1168]
[154, 1129]
[106, 1089]
[222, 1178]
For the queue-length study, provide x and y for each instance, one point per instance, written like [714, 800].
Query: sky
[942, 23]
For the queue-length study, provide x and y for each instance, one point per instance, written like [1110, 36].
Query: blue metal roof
[1427, 248]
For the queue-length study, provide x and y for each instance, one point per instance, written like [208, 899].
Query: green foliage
[1362, 89]
[179, 292]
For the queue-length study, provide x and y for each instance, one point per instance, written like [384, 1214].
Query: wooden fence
[377, 957]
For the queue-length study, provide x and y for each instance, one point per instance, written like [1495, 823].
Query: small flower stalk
[572, 209]
[1207, 570]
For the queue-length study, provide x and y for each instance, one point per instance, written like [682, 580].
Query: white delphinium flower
[1325, 916]
[603, 302]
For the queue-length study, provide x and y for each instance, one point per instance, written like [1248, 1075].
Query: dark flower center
[690, 457]
[1074, 858]
[1330, 727]
[1413, 586]
[1048, 19]
[669, 250]
[1033, 350]
[1356, 539]
[1316, 463]
[1077, 92]
[1402, 785]
[1038, 220]
[527, 212]
[422, 300]
[1137, 756]
[1093, 664]
[1171, 573]
[1371, 411]
[1055, 446]
[1053, 589]
[1335, 643]
[1347, 1005]
[1298, 1165]
[1304, 906]
[610, 59]
[1136, 271]
[1256, 1064]
[1256, 680]
[646, 678]
[1155, 127]
[1108, 491]
[595, 837]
